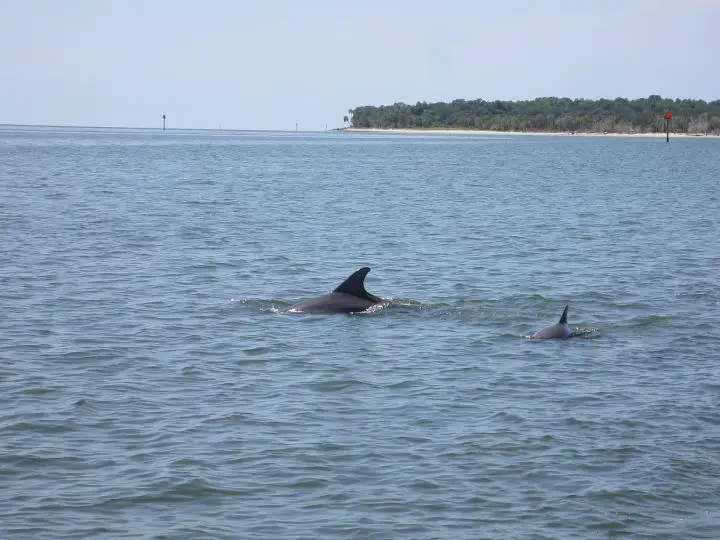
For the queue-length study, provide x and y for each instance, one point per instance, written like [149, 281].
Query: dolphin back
[560, 330]
[348, 297]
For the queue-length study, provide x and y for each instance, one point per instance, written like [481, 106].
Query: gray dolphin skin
[561, 330]
[348, 297]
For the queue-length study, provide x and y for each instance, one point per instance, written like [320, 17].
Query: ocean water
[153, 387]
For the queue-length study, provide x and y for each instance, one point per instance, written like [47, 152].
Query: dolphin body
[348, 297]
[561, 330]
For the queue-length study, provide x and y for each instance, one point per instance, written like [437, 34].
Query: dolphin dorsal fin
[355, 285]
[563, 317]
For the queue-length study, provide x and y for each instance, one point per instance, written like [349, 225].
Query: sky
[272, 64]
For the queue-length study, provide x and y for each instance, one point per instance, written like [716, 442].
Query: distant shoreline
[406, 131]
[461, 131]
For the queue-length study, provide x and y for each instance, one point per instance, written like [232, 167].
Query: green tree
[545, 114]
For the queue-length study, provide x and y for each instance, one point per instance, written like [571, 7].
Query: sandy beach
[439, 131]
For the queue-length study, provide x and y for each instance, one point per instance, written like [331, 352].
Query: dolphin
[561, 330]
[348, 297]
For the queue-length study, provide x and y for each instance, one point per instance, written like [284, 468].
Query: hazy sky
[268, 64]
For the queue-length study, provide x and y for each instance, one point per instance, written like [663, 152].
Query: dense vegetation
[548, 114]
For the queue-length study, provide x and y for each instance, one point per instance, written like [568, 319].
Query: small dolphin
[561, 330]
[348, 297]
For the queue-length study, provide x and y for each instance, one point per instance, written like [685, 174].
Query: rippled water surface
[153, 387]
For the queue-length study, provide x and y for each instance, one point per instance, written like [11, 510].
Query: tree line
[547, 114]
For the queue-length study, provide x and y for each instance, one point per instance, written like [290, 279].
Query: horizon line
[245, 130]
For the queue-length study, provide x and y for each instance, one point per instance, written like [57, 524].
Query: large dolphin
[348, 297]
[561, 330]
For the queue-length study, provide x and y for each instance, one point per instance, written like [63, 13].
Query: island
[545, 115]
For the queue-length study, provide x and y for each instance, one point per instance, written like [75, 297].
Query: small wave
[652, 320]
[191, 490]
[334, 386]
[405, 302]
[402, 385]
[585, 332]
[257, 351]
[374, 309]
[45, 428]
[38, 391]
[267, 306]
